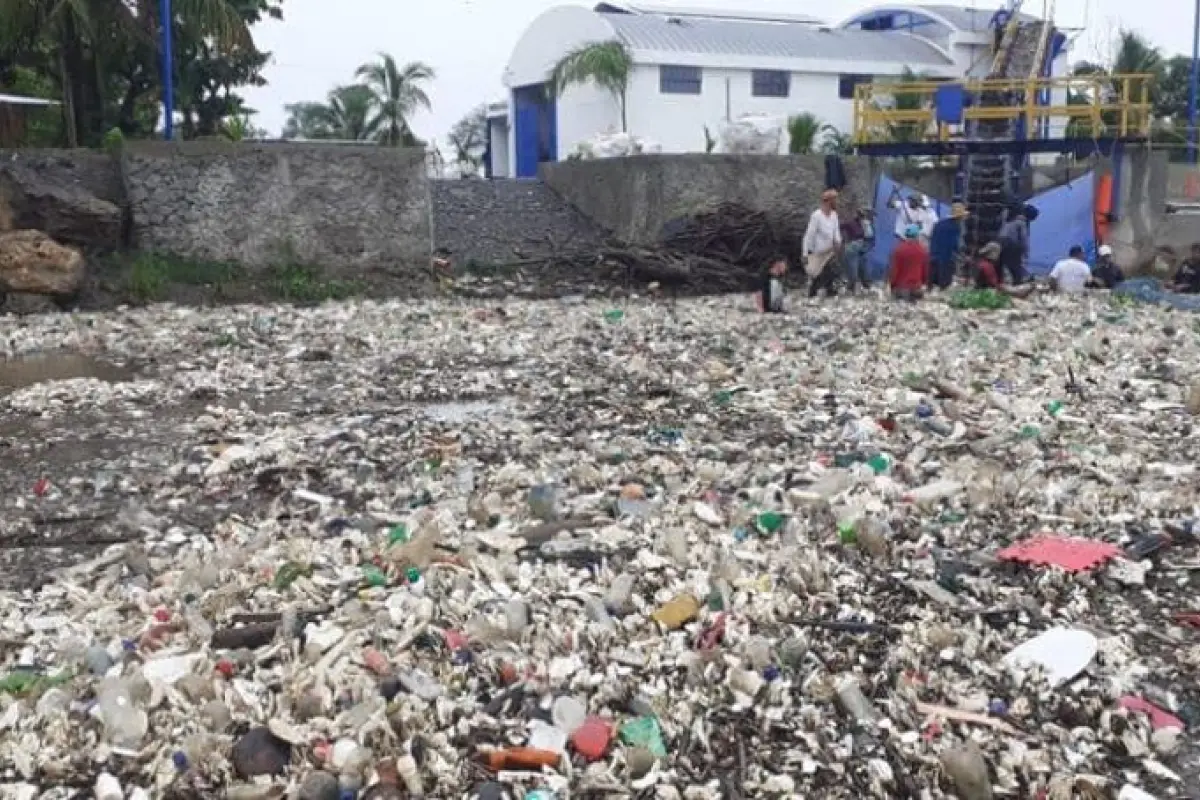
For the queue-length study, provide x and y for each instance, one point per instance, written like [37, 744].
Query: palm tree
[398, 93]
[347, 114]
[836, 142]
[803, 131]
[606, 64]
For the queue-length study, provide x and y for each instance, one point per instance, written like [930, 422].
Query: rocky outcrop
[68, 213]
[33, 263]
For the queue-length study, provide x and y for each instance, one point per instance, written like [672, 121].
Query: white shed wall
[584, 111]
[500, 148]
[677, 121]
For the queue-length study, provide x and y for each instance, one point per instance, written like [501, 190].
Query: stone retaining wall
[344, 207]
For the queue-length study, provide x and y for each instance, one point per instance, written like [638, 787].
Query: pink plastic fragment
[1158, 718]
[1071, 553]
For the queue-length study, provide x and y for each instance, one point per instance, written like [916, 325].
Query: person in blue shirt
[945, 243]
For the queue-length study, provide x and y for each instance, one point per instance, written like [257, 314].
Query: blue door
[535, 129]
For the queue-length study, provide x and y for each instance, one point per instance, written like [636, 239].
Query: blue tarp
[1148, 290]
[1065, 217]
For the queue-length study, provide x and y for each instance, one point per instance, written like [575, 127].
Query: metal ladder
[988, 188]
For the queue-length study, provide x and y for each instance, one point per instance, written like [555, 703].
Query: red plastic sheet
[1071, 553]
[1158, 717]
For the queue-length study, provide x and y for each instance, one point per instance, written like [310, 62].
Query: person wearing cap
[822, 243]
[988, 277]
[910, 266]
[857, 237]
[945, 244]
[915, 212]
[1106, 274]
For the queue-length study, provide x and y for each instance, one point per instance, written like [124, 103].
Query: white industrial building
[699, 68]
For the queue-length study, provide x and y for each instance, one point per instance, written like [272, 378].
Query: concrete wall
[633, 197]
[344, 207]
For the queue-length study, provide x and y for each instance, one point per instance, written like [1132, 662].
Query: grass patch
[150, 274]
[305, 283]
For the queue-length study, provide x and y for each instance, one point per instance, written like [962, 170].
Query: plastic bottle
[675, 544]
[543, 502]
[125, 724]
[410, 773]
[568, 714]
[932, 492]
[597, 612]
[619, 592]
[854, 702]
[874, 536]
[516, 615]
[521, 758]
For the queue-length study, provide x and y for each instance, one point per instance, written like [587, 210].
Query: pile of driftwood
[723, 249]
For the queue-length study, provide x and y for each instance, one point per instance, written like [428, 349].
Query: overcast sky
[320, 43]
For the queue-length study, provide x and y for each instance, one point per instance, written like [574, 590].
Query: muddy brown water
[18, 373]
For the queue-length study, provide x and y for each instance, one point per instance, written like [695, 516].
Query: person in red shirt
[910, 266]
[986, 276]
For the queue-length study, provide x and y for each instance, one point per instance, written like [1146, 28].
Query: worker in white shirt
[1071, 274]
[915, 212]
[823, 245]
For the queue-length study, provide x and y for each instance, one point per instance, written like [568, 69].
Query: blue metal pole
[168, 77]
[1193, 84]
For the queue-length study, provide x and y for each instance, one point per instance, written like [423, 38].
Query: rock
[32, 262]
[260, 752]
[319, 786]
[67, 213]
[967, 770]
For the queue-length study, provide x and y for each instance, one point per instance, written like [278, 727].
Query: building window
[770, 83]
[846, 84]
[674, 79]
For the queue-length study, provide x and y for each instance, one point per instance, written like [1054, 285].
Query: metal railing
[1098, 106]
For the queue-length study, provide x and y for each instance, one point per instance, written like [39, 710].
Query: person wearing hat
[822, 243]
[945, 244]
[988, 277]
[1106, 274]
[909, 270]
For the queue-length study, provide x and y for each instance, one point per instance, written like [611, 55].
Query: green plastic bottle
[398, 535]
[374, 576]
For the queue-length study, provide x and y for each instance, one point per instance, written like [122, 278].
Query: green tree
[837, 143]
[606, 64]
[101, 56]
[399, 92]
[348, 114]
[469, 138]
[908, 100]
[803, 132]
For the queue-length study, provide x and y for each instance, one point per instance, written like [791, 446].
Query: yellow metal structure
[1102, 106]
